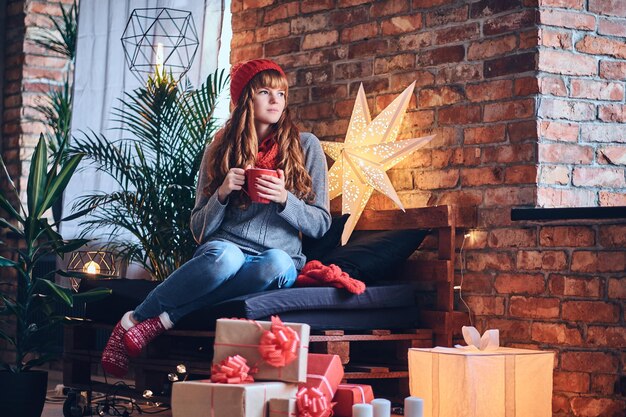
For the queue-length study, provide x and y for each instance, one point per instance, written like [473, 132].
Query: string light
[368, 151]
[459, 287]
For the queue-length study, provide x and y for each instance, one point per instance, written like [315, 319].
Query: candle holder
[158, 40]
[93, 262]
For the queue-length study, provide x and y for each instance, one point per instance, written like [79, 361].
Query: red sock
[114, 357]
[138, 336]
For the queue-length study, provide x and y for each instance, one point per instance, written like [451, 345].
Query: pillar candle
[382, 407]
[362, 410]
[413, 407]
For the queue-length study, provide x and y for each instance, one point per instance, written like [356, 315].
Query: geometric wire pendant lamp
[160, 38]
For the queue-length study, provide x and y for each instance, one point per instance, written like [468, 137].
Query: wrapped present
[206, 399]
[275, 350]
[283, 407]
[482, 379]
[324, 372]
[349, 394]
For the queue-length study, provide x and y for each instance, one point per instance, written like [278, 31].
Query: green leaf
[92, 295]
[71, 245]
[8, 225]
[7, 262]
[59, 183]
[7, 337]
[42, 359]
[4, 203]
[37, 178]
[56, 290]
[76, 215]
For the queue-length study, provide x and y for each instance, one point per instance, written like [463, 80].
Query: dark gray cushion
[379, 318]
[127, 294]
[318, 248]
[375, 256]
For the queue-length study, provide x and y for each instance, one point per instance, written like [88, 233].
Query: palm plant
[62, 38]
[155, 168]
[32, 305]
[56, 106]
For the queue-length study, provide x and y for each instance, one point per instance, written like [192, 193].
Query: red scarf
[267, 155]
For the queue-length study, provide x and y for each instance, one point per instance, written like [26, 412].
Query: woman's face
[269, 104]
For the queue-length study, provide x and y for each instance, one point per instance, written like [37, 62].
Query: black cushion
[375, 256]
[127, 294]
[378, 318]
[284, 302]
[318, 248]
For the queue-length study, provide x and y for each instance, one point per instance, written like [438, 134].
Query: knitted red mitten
[115, 358]
[138, 337]
[316, 274]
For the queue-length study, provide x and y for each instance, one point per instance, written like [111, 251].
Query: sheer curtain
[102, 75]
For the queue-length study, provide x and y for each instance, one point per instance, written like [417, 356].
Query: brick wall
[559, 286]
[13, 37]
[474, 66]
[553, 286]
[582, 69]
[29, 73]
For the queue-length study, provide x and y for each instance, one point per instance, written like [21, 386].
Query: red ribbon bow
[231, 370]
[311, 402]
[279, 345]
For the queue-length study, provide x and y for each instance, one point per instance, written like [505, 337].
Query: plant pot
[23, 394]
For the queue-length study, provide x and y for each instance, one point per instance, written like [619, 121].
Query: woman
[245, 247]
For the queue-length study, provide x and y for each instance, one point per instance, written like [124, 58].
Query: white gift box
[503, 382]
[206, 399]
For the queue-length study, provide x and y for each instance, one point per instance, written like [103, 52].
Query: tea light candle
[413, 407]
[382, 407]
[362, 410]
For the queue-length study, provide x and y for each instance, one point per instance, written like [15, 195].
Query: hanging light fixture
[158, 40]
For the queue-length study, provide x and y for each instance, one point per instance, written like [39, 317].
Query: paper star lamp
[369, 150]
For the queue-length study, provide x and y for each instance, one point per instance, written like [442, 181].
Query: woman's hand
[235, 178]
[273, 188]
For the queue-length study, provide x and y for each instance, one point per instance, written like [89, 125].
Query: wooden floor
[55, 409]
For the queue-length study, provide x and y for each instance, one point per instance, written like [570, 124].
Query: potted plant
[29, 306]
[55, 107]
[155, 167]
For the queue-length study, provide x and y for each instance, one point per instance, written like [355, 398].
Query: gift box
[267, 346]
[476, 383]
[349, 394]
[206, 399]
[283, 407]
[324, 372]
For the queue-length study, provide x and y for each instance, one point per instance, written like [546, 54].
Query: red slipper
[114, 357]
[138, 336]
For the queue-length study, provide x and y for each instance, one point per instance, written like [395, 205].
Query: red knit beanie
[242, 73]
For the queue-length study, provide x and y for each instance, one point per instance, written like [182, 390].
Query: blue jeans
[218, 271]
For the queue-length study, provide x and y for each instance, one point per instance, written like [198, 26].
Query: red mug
[252, 174]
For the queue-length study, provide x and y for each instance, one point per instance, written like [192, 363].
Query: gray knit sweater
[267, 226]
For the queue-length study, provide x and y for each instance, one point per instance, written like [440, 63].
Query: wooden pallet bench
[376, 356]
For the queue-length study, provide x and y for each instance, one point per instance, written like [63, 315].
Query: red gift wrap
[349, 394]
[323, 372]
